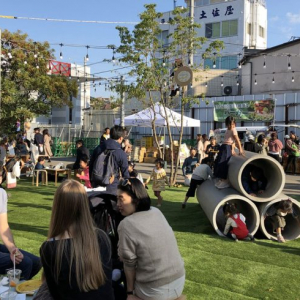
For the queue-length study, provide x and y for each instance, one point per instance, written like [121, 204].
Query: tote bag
[11, 181]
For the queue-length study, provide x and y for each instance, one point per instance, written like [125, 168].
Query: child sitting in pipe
[200, 174]
[277, 214]
[253, 180]
[236, 222]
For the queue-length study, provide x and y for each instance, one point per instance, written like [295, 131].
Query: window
[201, 2]
[164, 37]
[261, 32]
[212, 30]
[229, 28]
[249, 28]
[224, 62]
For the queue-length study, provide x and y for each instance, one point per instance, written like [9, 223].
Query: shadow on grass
[36, 190]
[280, 247]
[28, 228]
[30, 205]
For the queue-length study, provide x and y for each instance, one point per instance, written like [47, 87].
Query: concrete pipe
[212, 200]
[273, 171]
[292, 228]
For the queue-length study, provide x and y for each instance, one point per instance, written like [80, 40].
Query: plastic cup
[13, 278]
[9, 295]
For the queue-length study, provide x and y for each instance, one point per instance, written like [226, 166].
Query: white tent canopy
[145, 117]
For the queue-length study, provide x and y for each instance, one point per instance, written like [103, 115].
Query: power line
[66, 20]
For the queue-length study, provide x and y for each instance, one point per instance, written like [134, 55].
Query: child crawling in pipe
[236, 222]
[277, 214]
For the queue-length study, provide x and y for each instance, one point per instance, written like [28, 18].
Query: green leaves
[27, 89]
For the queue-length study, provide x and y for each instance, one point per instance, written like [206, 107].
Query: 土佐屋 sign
[260, 110]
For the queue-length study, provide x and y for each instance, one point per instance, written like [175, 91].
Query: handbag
[11, 181]
[43, 293]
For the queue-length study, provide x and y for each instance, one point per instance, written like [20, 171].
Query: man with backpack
[109, 161]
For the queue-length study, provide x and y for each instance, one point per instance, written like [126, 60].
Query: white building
[70, 115]
[238, 23]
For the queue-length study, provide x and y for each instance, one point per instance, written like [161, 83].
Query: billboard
[260, 110]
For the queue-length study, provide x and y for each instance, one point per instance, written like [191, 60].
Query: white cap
[287, 136]
[251, 137]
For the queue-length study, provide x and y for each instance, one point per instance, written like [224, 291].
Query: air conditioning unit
[227, 90]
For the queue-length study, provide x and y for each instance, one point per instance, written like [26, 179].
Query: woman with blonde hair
[76, 257]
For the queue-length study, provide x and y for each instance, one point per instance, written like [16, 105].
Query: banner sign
[261, 110]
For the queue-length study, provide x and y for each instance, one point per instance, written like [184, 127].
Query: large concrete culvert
[272, 170]
[212, 200]
[292, 228]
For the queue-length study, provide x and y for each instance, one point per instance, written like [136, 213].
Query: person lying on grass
[236, 222]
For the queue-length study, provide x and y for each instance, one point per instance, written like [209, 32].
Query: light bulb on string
[113, 57]
[273, 80]
[222, 83]
[206, 82]
[293, 79]
[239, 65]
[78, 79]
[255, 82]
[87, 53]
[214, 63]
[264, 62]
[61, 54]
[289, 62]
[191, 85]
[37, 66]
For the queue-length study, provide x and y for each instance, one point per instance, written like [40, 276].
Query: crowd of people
[77, 257]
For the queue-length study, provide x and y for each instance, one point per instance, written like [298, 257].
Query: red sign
[59, 68]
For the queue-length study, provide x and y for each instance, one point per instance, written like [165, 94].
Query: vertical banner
[261, 110]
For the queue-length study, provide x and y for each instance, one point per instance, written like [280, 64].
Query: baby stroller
[107, 217]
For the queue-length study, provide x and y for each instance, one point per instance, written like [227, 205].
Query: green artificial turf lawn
[216, 268]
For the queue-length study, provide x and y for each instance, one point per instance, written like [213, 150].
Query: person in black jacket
[39, 140]
[117, 134]
[253, 180]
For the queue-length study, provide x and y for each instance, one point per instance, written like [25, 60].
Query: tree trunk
[153, 125]
[180, 136]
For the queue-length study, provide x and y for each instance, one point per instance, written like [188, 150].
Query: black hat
[36, 128]
[292, 132]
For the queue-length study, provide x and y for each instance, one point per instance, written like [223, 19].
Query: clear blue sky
[283, 22]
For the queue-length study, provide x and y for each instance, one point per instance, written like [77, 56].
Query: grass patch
[216, 268]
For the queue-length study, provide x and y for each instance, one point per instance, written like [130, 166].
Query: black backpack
[103, 169]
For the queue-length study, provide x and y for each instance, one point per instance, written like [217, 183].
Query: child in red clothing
[84, 175]
[235, 221]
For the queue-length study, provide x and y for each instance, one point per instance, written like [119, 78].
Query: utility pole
[122, 111]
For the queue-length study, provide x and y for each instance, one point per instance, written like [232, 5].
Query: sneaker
[183, 205]
[223, 185]
[280, 239]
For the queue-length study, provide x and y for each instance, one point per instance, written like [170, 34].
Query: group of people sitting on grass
[76, 257]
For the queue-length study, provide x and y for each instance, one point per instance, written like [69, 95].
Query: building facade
[65, 114]
[238, 23]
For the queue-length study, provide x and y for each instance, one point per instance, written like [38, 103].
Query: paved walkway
[292, 185]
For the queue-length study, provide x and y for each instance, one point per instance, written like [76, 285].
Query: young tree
[26, 88]
[151, 62]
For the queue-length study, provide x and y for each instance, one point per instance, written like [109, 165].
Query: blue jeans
[30, 264]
